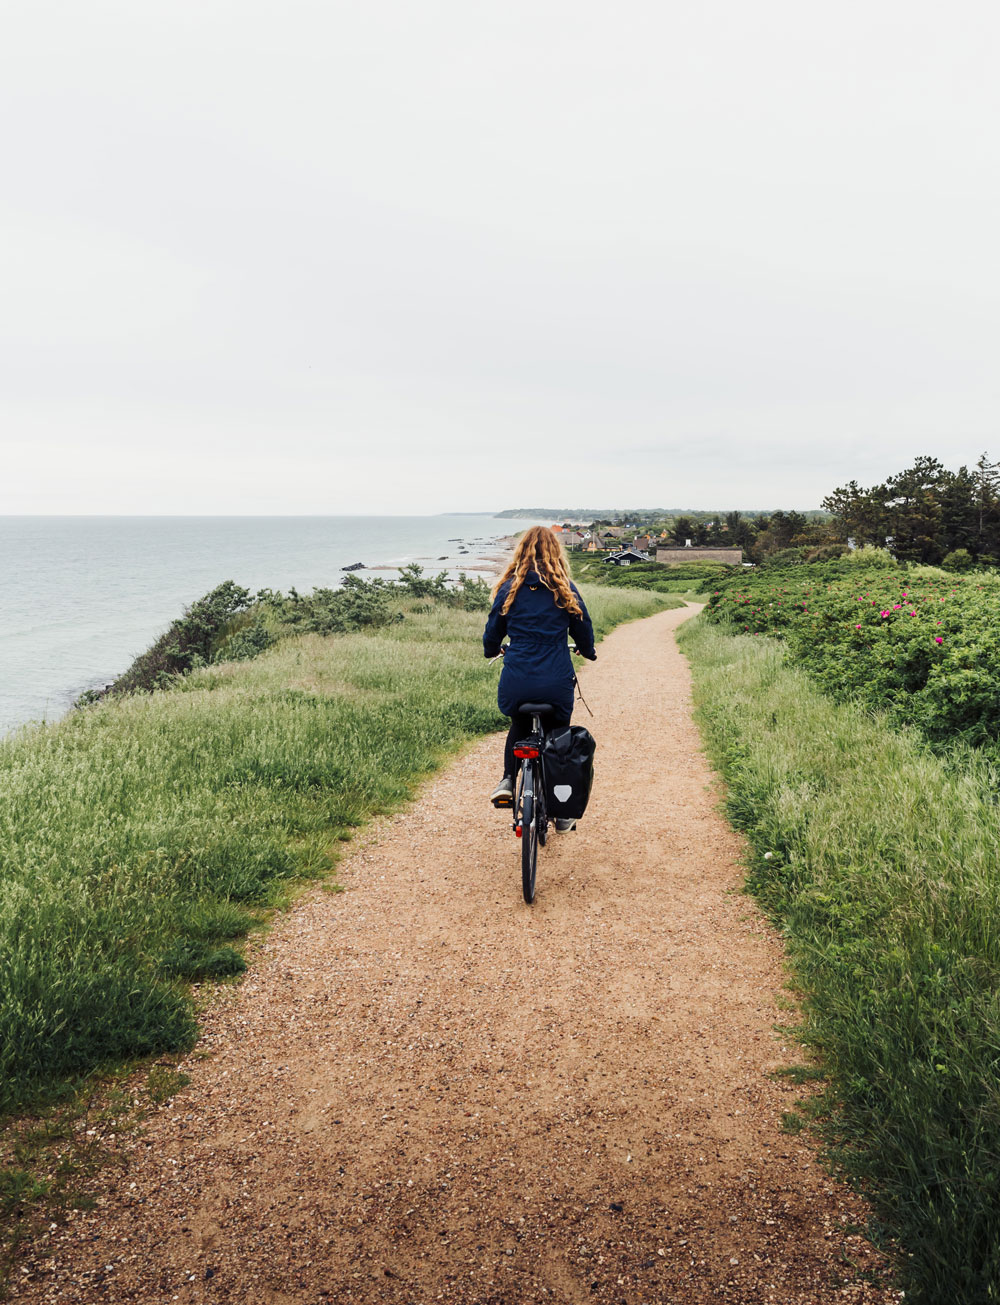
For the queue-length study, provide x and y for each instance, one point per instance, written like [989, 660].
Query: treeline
[925, 513]
[761, 536]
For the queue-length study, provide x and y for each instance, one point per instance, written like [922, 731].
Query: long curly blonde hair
[539, 550]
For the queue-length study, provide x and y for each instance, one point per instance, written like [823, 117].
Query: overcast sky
[426, 255]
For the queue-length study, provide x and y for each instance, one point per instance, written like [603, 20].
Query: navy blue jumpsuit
[538, 666]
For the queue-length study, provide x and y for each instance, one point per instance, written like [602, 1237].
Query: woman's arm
[496, 626]
[582, 628]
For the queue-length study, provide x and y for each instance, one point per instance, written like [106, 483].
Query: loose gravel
[427, 1091]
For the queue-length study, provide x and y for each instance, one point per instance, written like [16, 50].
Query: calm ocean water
[80, 597]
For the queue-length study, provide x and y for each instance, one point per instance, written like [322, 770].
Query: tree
[925, 511]
[987, 507]
[858, 514]
[959, 526]
[913, 502]
[683, 530]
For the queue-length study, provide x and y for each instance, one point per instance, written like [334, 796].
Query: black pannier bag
[568, 763]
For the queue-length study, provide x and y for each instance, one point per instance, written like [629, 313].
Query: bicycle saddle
[536, 708]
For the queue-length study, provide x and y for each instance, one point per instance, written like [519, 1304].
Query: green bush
[786, 557]
[187, 644]
[248, 641]
[356, 605]
[473, 594]
[870, 556]
[959, 559]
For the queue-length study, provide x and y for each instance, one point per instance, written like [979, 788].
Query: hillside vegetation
[142, 836]
[915, 643]
[852, 707]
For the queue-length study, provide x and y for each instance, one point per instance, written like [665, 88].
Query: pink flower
[938, 639]
[857, 627]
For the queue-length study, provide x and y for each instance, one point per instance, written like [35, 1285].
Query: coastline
[85, 596]
[491, 561]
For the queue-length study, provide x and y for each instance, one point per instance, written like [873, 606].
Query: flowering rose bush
[924, 649]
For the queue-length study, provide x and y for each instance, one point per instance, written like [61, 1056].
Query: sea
[81, 597]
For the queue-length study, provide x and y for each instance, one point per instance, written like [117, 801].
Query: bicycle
[531, 823]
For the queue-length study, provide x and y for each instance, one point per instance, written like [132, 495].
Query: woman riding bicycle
[535, 603]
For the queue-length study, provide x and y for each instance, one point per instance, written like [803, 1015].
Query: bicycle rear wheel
[529, 832]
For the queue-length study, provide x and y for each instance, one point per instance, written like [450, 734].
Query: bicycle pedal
[506, 801]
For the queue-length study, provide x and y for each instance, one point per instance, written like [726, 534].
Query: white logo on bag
[563, 792]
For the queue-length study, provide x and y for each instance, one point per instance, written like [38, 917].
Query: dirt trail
[428, 1091]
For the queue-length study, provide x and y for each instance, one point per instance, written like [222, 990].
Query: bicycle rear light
[526, 752]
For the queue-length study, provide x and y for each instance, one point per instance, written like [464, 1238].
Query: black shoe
[564, 826]
[503, 794]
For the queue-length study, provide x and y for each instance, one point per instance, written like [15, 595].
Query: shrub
[357, 605]
[870, 556]
[250, 641]
[785, 557]
[826, 552]
[413, 582]
[474, 595]
[186, 644]
[959, 559]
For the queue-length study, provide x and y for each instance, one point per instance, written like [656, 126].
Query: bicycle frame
[531, 824]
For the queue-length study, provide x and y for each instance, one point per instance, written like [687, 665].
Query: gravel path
[427, 1091]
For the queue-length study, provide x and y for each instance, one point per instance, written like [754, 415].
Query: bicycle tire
[529, 835]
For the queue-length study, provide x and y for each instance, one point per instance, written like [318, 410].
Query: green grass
[879, 861]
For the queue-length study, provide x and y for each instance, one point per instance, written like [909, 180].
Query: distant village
[679, 538]
[625, 545]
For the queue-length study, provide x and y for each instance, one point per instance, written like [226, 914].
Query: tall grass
[880, 861]
[141, 836]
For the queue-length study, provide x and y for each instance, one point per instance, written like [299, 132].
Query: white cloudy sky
[391, 255]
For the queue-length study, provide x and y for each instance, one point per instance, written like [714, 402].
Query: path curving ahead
[427, 1091]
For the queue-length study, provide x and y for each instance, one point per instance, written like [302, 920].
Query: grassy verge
[142, 838]
[879, 860]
